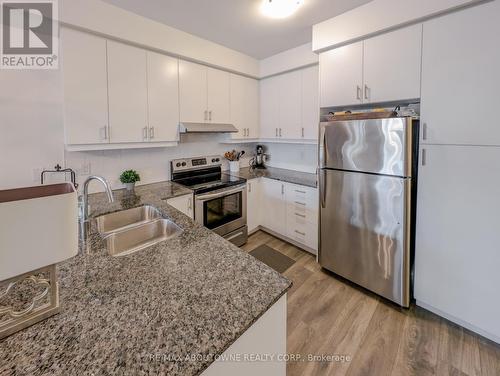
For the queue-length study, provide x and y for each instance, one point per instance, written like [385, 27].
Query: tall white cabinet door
[85, 88]
[341, 76]
[461, 77]
[163, 97]
[269, 107]
[457, 239]
[253, 204]
[192, 92]
[274, 215]
[244, 106]
[310, 103]
[290, 105]
[392, 65]
[218, 96]
[127, 85]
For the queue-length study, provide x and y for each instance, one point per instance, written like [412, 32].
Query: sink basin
[132, 239]
[112, 222]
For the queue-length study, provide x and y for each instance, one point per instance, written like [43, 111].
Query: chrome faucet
[85, 211]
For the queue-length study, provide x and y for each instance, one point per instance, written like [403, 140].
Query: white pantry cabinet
[128, 97]
[380, 69]
[253, 204]
[244, 107]
[392, 64]
[461, 77]
[341, 76]
[269, 102]
[184, 204]
[85, 88]
[290, 105]
[203, 94]
[457, 238]
[274, 204]
[163, 97]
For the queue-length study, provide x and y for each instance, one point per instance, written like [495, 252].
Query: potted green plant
[129, 178]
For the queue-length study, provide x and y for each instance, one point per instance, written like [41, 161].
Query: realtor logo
[29, 34]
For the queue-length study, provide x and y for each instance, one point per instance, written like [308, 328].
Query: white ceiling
[238, 24]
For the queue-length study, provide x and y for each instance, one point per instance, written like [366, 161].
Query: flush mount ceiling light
[280, 8]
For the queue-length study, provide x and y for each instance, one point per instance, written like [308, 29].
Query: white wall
[287, 60]
[378, 16]
[118, 23]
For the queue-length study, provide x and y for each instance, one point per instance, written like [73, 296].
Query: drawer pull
[303, 192]
[300, 233]
[300, 215]
[300, 203]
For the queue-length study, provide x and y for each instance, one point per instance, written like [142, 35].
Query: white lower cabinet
[253, 204]
[289, 210]
[457, 254]
[184, 204]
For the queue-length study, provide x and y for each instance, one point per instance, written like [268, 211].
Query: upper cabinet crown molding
[379, 16]
[381, 69]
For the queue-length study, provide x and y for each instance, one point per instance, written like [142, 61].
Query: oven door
[222, 211]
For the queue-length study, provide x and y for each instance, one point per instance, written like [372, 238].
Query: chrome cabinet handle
[358, 93]
[145, 133]
[304, 192]
[152, 132]
[424, 157]
[248, 132]
[300, 233]
[190, 203]
[424, 132]
[366, 91]
[300, 203]
[206, 115]
[244, 132]
[302, 132]
[210, 115]
[280, 132]
[276, 132]
[104, 133]
[300, 215]
[249, 187]
[282, 189]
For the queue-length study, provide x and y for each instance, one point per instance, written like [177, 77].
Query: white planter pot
[129, 186]
[234, 166]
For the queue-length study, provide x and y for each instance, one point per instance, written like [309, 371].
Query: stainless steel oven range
[220, 199]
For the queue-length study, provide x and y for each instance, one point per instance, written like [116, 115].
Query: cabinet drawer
[303, 232]
[298, 212]
[301, 196]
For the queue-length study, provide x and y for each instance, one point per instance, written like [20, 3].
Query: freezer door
[381, 146]
[364, 231]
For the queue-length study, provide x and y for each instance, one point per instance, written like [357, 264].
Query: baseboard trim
[460, 322]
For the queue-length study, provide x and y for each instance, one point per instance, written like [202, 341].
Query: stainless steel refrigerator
[366, 201]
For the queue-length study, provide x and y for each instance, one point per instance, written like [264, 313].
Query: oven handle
[210, 196]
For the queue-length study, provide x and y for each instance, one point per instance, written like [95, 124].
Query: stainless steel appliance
[220, 199]
[367, 188]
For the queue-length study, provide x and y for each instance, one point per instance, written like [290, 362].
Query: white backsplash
[297, 157]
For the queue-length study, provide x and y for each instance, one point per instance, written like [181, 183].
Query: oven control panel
[196, 163]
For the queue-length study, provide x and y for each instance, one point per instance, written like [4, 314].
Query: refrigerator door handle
[322, 187]
[322, 147]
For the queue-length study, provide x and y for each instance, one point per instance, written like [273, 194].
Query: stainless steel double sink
[132, 230]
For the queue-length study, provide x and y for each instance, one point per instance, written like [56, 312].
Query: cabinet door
[244, 106]
[184, 204]
[192, 92]
[218, 96]
[85, 88]
[127, 82]
[341, 76]
[269, 110]
[457, 237]
[392, 64]
[290, 105]
[163, 97]
[253, 204]
[310, 103]
[274, 213]
[461, 77]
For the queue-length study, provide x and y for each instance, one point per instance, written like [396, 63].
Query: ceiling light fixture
[280, 8]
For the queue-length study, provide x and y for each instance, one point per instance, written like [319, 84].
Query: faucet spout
[109, 193]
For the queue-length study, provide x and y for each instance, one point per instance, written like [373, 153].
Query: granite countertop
[146, 313]
[289, 176]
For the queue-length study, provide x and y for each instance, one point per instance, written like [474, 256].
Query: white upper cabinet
[341, 76]
[127, 85]
[381, 69]
[193, 92]
[269, 110]
[85, 88]
[244, 106]
[392, 65]
[163, 97]
[290, 105]
[461, 77]
[310, 103]
[218, 96]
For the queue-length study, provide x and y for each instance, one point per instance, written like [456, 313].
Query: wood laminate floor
[329, 316]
